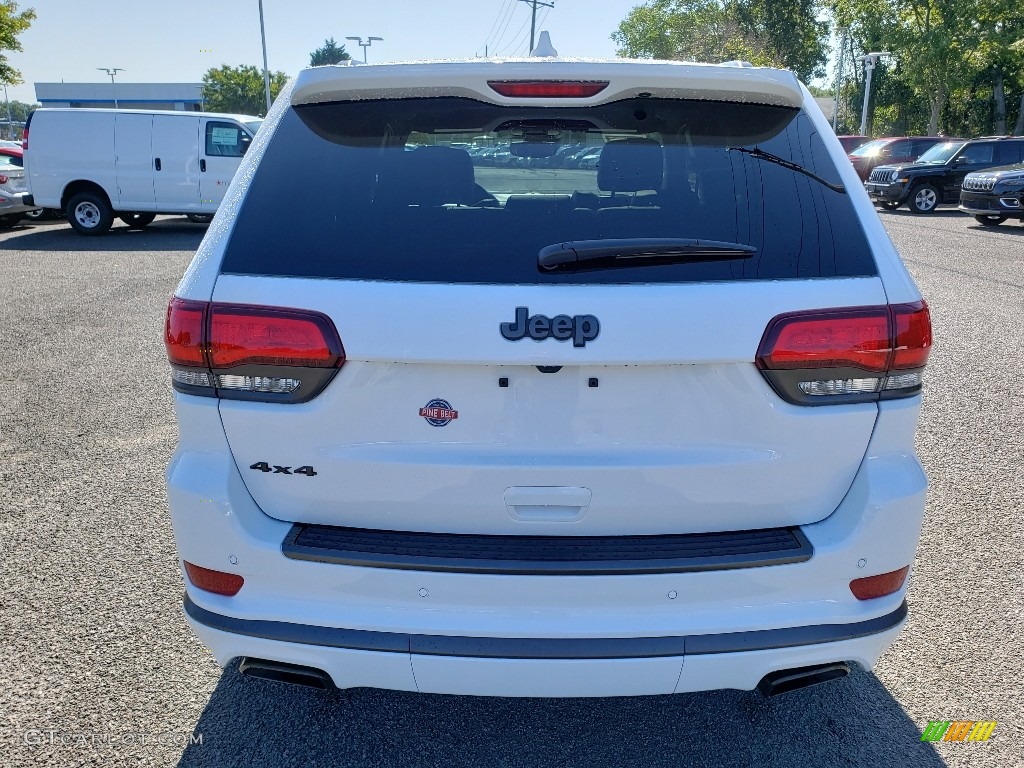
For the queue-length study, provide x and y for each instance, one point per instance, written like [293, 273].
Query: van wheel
[90, 214]
[924, 199]
[8, 221]
[990, 221]
[137, 220]
[200, 218]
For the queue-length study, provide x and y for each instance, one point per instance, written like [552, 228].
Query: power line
[533, 18]
[497, 21]
[501, 35]
[516, 42]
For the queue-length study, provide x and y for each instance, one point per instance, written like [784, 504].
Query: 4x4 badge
[438, 413]
[579, 328]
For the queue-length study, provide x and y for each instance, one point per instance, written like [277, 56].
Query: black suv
[936, 176]
[995, 195]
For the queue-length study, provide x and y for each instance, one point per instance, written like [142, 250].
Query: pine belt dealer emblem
[438, 413]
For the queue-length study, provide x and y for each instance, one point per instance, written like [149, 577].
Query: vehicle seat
[428, 177]
[630, 166]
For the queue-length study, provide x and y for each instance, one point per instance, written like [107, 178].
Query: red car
[850, 143]
[39, 213]
[890, 151]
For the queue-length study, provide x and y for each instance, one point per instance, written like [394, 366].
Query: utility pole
[534, 4]
[839, 77]
[870, 61]
[112, 71]
[266, 72]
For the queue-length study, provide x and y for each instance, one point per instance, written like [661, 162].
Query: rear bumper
[749, 621]
[15, 203]
[508, 666]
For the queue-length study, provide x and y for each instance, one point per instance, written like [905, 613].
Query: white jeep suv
[537, 430]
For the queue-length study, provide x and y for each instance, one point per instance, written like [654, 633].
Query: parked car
[935, 177]
[14, 151]
[850, 143]
[558, 434]
[590, 160]
[98, 163]
[995, 195]
[890, 151]
[13, 207]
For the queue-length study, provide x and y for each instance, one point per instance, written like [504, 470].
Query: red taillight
[241, 335]
[3, 179]
[546, 89]
[853, 354]
[24, 139]
[184, 331]
[218, 582]
[855, 338]
[879, 586]
[245, 352]
[913, 332]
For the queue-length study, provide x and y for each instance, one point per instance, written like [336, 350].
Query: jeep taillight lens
[238, 351]
[853, 354]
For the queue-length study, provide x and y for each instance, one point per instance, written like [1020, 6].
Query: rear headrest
[630, 165]
[428, 176]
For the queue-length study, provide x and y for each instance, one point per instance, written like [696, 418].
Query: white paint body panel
[682, 434]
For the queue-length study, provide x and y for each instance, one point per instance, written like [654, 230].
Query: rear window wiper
[636, 252]
[760, 154]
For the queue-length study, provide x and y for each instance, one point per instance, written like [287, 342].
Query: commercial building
[172, 96]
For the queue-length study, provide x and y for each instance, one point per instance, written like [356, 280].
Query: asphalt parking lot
[99, 667]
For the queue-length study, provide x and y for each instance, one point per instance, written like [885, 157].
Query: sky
[178, 41]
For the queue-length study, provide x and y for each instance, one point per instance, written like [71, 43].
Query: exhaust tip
[282, 672]
[786, 680]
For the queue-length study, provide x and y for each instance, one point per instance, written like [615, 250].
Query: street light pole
[112, 71]
[367, 44]
[10, 127]
[870, 61]
[266, 72]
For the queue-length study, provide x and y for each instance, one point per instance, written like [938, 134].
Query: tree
[12, 24]
[779, 33]
[329, 53]
[239, 90]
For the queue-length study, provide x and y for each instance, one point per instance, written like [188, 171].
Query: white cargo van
[98, 163]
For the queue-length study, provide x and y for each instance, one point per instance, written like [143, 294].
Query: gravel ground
[95, 647]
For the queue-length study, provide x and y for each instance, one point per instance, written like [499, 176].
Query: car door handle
[202, 166]
[157, 163]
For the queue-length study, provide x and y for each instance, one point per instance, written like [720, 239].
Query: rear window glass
[458, 191]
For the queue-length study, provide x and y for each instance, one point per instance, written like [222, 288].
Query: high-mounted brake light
[846, 355]
[547, 89]
[249, 352]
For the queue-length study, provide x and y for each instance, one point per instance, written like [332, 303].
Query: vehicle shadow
[165, 234]
[1006, 228]
[849, 722]
[941, 213]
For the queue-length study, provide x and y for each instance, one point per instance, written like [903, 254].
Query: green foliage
[12, 24]
[779, 33]
[239, 90]
[328, 53]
